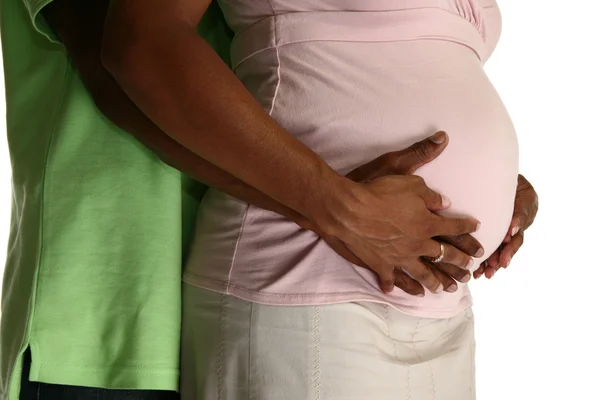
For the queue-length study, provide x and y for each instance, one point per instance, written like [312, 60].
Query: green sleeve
[34, 7]
[212, 27]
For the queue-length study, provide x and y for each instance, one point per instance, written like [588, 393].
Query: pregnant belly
[351, 102]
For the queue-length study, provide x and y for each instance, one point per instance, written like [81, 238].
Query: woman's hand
[526, 207]
[406, 162]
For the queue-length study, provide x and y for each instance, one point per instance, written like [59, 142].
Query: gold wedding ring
[441, 257]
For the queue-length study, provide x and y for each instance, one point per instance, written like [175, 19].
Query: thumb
[403, 162]
[421, 153]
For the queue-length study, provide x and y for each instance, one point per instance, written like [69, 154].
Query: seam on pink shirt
[237, 243]
[276, 92]
[274, 27]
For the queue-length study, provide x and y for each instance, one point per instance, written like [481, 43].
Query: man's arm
[79, 25]
[152, 49]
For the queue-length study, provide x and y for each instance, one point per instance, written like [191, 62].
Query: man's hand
[403, 163]
[526, 207]
[406, 162]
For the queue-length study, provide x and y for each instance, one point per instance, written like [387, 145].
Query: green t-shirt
[98, 232]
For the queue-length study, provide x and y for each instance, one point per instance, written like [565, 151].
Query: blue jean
[44, 391]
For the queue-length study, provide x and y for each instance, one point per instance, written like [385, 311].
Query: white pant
[233, 350]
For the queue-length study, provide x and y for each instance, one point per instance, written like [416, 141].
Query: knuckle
[463, 226]
[416, 181]
[465, 243]
[432, 283]
[454, 257]
[424, 275]
[450, 270]
[472, 248]
[465, 261]
[460, 259]
[421, 151]
[459, 275]
[460, 242]
[444, 279]
[427, 229]
[415, 248]
[427, 251]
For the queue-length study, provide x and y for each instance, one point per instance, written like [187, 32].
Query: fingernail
[515, 230]
[477, 277]
[420, 294]
[478, 226]
[439, 289]
[438, 138]
[466, 278]
[492, 274]
[508, 262]
[479, 253]
[446, 201]
[470, 263]
[452, 288]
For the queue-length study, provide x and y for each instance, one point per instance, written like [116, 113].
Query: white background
[537, 331]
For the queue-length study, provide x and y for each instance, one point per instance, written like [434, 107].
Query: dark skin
[406, 162]
[80, 26]
[525, 211]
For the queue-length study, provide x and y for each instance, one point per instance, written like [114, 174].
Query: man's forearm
[117, 107]
[113, 102]
[175, 77]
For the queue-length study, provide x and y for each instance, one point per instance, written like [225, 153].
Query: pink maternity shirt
[354, 79]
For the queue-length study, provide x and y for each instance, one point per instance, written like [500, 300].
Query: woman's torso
[353, 80]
